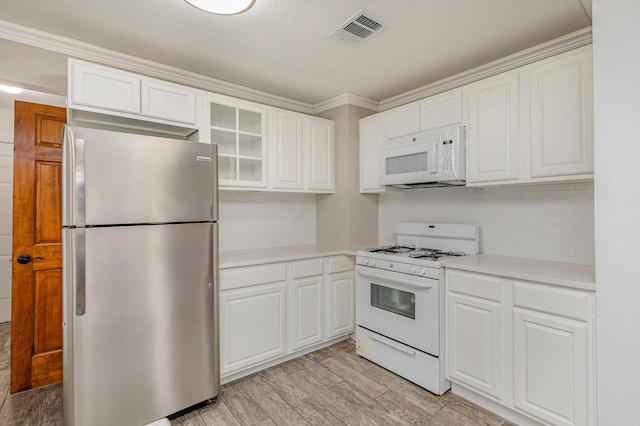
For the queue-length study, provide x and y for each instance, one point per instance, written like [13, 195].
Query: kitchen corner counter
[558, 273]
[239, 258]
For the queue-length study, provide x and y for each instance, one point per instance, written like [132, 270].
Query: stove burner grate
[434, 254]
[392, 249]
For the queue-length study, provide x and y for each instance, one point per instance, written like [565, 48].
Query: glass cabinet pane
[250, 170]
[223, 116]
[225, 140]
[250, 121]
[393, 300]
[227, 168]
[250, 146]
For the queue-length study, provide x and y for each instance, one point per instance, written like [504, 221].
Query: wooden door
[36, 331]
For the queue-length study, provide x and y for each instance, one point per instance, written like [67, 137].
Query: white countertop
[544, 271]
[237, 258]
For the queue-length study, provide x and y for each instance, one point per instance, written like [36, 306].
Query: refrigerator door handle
[73, 180]
[80, 271]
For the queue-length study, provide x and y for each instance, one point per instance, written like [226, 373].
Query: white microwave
[430, 158]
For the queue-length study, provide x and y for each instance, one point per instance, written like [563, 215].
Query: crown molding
[344, 99]
[554, 47]
[89, 52]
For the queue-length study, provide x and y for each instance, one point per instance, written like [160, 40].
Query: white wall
[6, 210]
[346, 217]
[616, 47]
[553, 222]
[251, 220]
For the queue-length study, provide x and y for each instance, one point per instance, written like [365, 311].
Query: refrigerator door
[145, 345]
[121, 178]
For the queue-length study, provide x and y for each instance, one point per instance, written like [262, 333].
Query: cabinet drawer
[484, 286]
[340, 264]
[253, 275]
[307, 268]
[552, 300]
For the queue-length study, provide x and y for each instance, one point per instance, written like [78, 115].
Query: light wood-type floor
[332, 386]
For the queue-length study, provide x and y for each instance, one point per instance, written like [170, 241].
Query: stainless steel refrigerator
[140, 268]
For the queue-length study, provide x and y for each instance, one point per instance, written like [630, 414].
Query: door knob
[23, 259]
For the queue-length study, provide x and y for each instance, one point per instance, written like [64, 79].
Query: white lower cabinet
[340, 301]
[269, 312]
[306, 303]
[252, 325]
[475, 339]
[532, 351]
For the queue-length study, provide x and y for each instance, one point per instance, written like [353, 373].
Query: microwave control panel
[446, 155]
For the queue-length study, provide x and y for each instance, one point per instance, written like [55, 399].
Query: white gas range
[400, 299]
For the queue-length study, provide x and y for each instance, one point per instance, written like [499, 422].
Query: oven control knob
[365, 261]
[372, 263]
[423, 271]
[412, 270]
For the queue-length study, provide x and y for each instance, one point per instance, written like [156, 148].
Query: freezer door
[146, 343]
[121, 178]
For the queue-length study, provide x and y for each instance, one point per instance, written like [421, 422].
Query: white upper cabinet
[533, 124]
[493, 147]
[287, 150]
[401, 121]
[319, 154]
[562, 116]
[168, 101]
[441, 110]
[109, 96]
[239, 129]
[370, 160]
[302, 158]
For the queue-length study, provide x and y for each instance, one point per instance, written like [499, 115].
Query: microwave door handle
[407, 283]
[433, 156]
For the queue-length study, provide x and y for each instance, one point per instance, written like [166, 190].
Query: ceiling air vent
[359, 28]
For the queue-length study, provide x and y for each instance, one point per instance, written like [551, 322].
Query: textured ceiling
[281, 46]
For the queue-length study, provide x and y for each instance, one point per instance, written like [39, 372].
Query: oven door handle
[412, 284]
[393, 345]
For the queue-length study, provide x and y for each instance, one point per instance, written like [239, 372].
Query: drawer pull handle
[394, 345]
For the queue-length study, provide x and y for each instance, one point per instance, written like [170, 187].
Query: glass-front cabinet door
[239, 129]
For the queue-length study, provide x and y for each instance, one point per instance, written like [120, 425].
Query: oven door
[399, 306]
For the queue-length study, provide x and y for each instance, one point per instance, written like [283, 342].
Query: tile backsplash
[552, 222]
[250, 220]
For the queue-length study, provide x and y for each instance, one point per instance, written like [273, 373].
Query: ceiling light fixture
[222, 7]
[10, 89]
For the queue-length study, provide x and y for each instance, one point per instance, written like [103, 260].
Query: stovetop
[421, 247]
[413, 252]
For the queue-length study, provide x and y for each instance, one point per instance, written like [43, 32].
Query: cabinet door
[474, 343]
[401, 121]
[239, 129]
[340, 304]
[168, 101]
[370, 162]
[252, 326]
[493, 134]
[287, 150]
[441, 110]
[306, 312]
[550, 367]
[562, 116]
[104, 88]
[319, 159]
